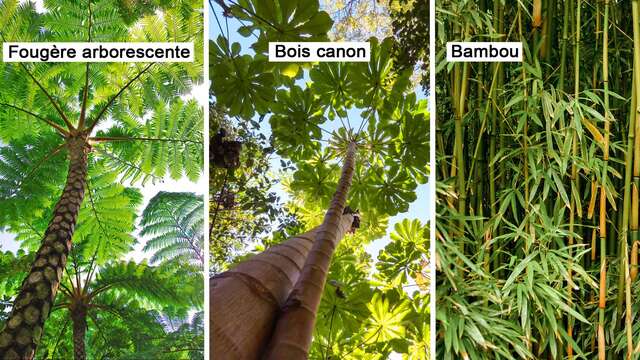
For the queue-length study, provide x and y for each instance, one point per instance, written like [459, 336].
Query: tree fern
[174, 222]
[73, 106]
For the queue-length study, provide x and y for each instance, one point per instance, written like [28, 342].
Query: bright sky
[200, 93]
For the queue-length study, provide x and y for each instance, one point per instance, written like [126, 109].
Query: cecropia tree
[268, 304]
[124, 118]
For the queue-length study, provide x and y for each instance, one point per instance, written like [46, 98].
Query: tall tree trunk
[294, 328]
[19, 338]
[246, 299]
[79, 318]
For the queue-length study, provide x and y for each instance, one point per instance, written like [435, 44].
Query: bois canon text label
[354, 51]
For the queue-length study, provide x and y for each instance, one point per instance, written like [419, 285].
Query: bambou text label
[484, 52]
[97, 52]
[319, 51]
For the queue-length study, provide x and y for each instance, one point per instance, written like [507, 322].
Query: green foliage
[400, 259]
[139, 125]
[107, 219]
[241, 82]
[287, 20]
[520, 244]
[174, 221]
[243, 204]
[312, 112]
[123, 299]
[361, 315]
[25, 187]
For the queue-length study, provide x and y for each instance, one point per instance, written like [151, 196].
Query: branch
[64, 329]
[119, 138]
[108, 309]
[49, 122]
[55, 105]
[126, 163]
[53, 153]
[65, 289]
[94, 318]
[182, 350]
[104, 109]
[60, 306]
[83, 107]
[95, 253]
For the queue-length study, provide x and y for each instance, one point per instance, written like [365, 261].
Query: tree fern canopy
[138, 125]
[174, 222]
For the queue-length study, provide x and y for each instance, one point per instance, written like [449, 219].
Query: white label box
[354, 51]
[484, 52]
[97, 52]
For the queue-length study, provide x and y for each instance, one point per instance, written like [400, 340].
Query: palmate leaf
[386, 320]
[394, 190]
[174, 221]
[282, 20]
[241, 83]
[371, 80]
[346, 294]
[331, 83]
[412, 146]
[297, 114]
[401, 258]
[317, 182]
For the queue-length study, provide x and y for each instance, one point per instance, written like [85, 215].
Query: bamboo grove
[538, 170]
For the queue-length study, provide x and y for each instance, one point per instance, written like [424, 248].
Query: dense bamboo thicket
[539, 175]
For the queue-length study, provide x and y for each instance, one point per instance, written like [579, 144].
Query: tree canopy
[310, 113]
[112, 130]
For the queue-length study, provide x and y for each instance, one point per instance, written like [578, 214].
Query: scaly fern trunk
[19, 338]
[79, 318]
[294, 328]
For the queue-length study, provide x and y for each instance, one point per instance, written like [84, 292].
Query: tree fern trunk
[79, 318]
[19, 338]
[294, 328]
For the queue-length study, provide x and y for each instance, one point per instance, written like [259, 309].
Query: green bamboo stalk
[574, 171]
[459, 152]
[626, 202]
[603, 191]
[563, 51]
[635, 137]
[628, 312]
